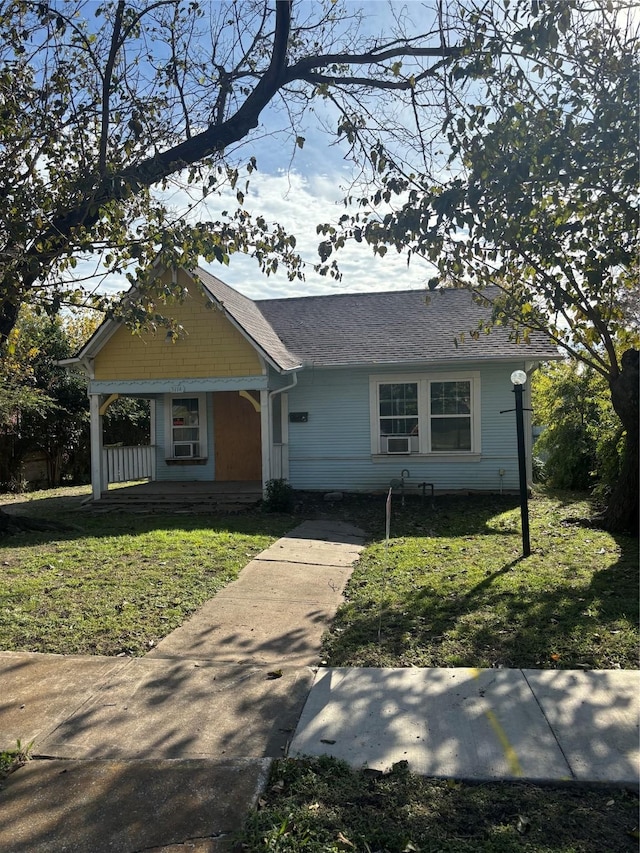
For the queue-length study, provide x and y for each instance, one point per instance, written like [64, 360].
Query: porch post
[152, 436]
[265, 433]
[98, 478]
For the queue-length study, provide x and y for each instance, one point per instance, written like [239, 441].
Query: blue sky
[300, 188]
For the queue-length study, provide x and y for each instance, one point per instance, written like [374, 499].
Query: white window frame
[202, 425]
[424, 381]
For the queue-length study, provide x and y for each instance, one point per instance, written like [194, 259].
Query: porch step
[181, 496]
[228, 502]
[241, 497]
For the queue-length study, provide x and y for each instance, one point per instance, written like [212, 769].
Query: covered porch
[213, 441]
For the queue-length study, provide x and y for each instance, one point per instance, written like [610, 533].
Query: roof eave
[436, 362]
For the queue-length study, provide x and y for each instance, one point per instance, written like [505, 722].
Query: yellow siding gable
[210, 346]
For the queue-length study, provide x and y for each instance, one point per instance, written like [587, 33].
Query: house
[340, 392]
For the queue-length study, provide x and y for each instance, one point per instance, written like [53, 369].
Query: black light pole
[519, 377]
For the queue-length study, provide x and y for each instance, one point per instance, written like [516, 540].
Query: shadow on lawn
[589, 625]
[69, 522]
[450, 515]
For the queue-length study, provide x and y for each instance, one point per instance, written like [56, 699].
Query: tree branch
[369, 82]
[106, 85]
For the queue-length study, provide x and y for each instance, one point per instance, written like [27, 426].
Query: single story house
[341, 392]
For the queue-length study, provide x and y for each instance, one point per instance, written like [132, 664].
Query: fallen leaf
[326, 740]
[344, 840]
[523, 825]
[275, 673]
[555, 657]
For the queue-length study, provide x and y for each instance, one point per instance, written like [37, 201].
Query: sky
[299, 198]
[300, 188]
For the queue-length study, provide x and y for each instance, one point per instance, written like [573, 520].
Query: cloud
[299, 203]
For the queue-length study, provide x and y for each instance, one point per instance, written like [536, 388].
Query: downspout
[277, 391]
[273, 394]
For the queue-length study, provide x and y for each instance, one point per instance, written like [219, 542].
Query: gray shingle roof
[246, 314]
[394, 327]
[397, 327]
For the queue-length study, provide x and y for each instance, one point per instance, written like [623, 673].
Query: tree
[581, 442]
[45, 407]
[540, 202]
[100, 104]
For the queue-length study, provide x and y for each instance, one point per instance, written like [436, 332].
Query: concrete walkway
[168, 752]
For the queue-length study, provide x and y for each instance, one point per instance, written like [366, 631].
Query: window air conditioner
[398, 444]
[184, 449]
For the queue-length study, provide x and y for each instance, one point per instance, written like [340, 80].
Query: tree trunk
[8, 317]
[621, 514]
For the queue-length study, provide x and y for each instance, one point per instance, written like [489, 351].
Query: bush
[279, 496]
[581, 444]
[539, 470]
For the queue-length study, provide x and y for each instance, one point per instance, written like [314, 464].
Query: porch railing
[129, 463]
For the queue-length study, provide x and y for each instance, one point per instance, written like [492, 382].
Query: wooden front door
[236, 437]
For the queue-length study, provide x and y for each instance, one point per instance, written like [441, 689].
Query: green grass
[13, 759]
[320, 805]
[451, 589]
[117, 583]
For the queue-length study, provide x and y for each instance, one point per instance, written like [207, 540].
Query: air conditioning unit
[398, 444]
[185, 449]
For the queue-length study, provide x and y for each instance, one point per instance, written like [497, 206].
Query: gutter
[277, 391]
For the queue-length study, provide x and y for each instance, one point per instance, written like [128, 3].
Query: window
[450, 415]
[425, 414]
[186, 427]
[398, 413]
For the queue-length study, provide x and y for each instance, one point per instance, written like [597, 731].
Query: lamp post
[519, 378]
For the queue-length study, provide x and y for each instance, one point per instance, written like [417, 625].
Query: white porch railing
[121, 464]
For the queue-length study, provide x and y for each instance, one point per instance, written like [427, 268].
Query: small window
[398, 417]
[187, 429]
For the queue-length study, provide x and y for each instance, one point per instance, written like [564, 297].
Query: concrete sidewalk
[535, 725]
[168, 752]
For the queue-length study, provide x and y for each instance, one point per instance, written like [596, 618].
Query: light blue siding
[332, 449]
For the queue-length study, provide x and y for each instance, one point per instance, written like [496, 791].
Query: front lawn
[319, 805]
[117, 583]
[451, 589]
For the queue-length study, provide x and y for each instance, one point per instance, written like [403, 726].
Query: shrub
[279, 496]
[581, 444]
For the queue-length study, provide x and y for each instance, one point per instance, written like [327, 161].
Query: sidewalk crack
[551, 729]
